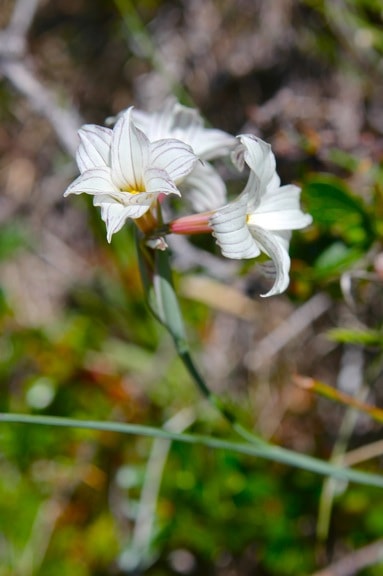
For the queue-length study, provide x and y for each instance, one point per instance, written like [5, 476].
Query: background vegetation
[77, 341]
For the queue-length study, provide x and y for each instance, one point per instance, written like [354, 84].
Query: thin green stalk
[163, 302]
[265, 450]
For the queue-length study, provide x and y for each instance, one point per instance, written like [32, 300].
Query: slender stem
[267, 451]
[215, 400]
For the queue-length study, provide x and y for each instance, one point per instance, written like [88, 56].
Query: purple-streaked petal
[275, 247]
[157, 182]
[95, 181]
[115, 214]
[94, 148]
[186, 124]
[204, 188]
[156, 125]
[172, 156]
[261, 161]
[231, 232]
[209, 143]
[129, 154]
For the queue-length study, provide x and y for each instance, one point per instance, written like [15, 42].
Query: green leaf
[160, 294]
[335, 259]
[361, 337]
[337, 210]
[12, 238]
[166, 299]
[264, 450]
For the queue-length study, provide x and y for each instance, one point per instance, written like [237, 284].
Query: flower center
[136, 190]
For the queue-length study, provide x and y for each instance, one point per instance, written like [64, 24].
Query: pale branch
[355, 561]
[17, 69]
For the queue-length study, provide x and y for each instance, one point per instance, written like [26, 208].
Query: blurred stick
[355, 561]
[351, 370]
[137, 555]
[363, 453]
[288, 330]
[331, 393]
[16, 68]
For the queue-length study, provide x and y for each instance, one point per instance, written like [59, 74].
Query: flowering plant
[131, 168]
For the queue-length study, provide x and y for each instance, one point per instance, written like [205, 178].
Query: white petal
[210, 143]
[185, 124]
[158, 182]
[130, 153]
[281, 220]
[115, 214]
[94, 148]
[275, 247]
[280, 210]
[156, 125]
[207, 143]
[95, 181]
[173, 156]
[231, 232]
[260, 159]
[204, 188]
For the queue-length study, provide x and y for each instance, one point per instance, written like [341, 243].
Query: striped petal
[172, 156]
[186, 124]
[275, 247]
[129, 154]
[205, 190]
[94, 148]
[158, 182]
[231, 231]
[280, 210]
[95, 181]
[115, 214]
[258, 155]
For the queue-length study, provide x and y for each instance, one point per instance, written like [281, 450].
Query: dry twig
[18, 70]
[351, 564]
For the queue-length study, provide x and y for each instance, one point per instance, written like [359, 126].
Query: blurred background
[77, 340]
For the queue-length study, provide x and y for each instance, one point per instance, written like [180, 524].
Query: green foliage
[344, 225]
[69, 498]
[359, 337]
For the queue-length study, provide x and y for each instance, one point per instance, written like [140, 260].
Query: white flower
[126, 172]
[262, 217]
[204, 186]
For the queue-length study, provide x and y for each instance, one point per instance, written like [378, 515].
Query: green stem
[190, 366]
[267, 451]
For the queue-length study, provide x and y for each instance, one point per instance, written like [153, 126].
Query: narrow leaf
[264, 450]
[337, 396]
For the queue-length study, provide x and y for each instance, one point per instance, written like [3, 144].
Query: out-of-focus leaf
[12, 238]
[335, 259]
[362, 337]
[336, 209]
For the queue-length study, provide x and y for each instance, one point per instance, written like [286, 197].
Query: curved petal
[280, 210]
[186, 124]
[280, 220]
[209, 143]
[129, 154]
[157, 182]
[94, 148]
[115, 214]
[204, 188]
[173, 156]
[275, 248]
[231, 231]
[95, 181]
[156, 125]
[259, 157]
